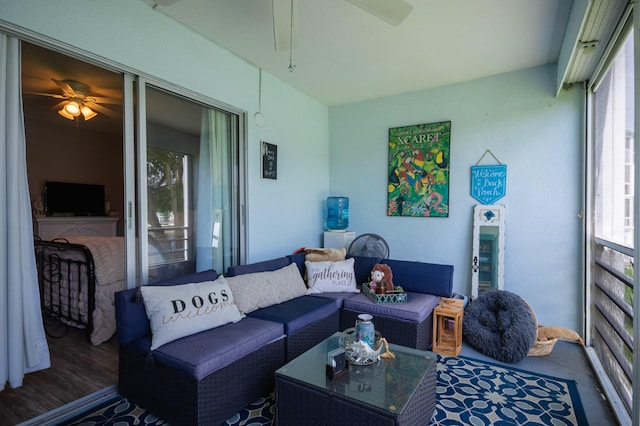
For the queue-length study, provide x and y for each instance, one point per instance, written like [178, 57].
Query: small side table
[447, 326]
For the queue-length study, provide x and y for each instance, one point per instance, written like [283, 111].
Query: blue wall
[538, 137]
[282, 215]
[343, 150]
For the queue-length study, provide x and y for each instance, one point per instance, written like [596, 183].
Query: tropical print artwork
[419, 170]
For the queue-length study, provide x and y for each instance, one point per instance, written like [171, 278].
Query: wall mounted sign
[269, 160]
[488, 183]
[419, 170]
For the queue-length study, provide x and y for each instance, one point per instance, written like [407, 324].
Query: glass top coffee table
[400, 391]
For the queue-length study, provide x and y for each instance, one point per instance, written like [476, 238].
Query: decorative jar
[365, 330]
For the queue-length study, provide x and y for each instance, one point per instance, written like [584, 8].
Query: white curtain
[23, 345]
[212, 203]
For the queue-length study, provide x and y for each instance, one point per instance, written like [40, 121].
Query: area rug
[469, 392]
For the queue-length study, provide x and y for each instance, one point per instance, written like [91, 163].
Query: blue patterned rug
[469, 392]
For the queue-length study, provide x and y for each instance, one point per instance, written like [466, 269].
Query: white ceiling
[346, 55]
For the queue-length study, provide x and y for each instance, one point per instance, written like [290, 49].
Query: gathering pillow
[181, 310]
[323, 277]
[262, 289]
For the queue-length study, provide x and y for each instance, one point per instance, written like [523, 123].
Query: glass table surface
[387, 384]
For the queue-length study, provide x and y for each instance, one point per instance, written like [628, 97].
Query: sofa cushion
[181, 310]
[203, 353]
[262, 289]
[297, 313]
[267, 265]
[338, 297]
[363, 266]
[422, 277]
[418, 307]
[331, 276]
[131, 318]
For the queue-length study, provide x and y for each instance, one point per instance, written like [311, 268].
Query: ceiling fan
[76, 101]
[393, 12]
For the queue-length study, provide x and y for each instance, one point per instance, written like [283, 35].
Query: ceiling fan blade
[165, 2]
[51, 95]
[284, 33]
[105, 100]
[65, 86]
[103, 110]
[391, 11]
[58, 106]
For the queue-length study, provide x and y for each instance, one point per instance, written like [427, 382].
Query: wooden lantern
[447, 327]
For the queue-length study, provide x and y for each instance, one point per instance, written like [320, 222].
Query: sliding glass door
[192, 207]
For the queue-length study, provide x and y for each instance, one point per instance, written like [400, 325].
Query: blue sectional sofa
[206, 377]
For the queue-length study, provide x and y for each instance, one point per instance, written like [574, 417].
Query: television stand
[51, 227]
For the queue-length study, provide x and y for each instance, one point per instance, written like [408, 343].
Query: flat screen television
[73, 199]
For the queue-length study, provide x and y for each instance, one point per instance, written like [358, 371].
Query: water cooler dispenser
[336, 235]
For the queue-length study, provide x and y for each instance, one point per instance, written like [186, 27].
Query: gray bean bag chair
[501, 325]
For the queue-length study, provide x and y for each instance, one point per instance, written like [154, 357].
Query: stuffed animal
[381, 279]
[377, 283]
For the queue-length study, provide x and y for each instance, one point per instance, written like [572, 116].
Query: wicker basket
[542, 347]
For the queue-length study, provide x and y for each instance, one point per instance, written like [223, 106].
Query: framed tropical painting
[419, 170]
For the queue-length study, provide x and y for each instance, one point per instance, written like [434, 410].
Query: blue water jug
[337, 213]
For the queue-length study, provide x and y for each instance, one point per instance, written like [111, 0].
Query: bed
[78, 276]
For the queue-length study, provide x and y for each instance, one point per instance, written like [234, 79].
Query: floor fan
[369, 245]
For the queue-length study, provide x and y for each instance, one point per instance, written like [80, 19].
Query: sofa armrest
[422, 277]
[132, 322]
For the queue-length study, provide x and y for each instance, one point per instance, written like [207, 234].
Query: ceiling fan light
[72, 108]
[63, 112]
[88, 113]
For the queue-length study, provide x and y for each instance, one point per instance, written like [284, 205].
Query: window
[613, 150]
[611, 288]
[170, 234]
[193, 195]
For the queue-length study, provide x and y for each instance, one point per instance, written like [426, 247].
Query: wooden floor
[77, 369]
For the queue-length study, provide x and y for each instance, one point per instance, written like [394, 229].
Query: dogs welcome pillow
[323, 277]
[181, 310]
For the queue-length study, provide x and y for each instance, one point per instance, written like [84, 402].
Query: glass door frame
[129, 179]
[135, 161]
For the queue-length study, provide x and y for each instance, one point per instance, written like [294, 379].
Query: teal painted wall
[343, 150]
[282, 215]
[539, 138]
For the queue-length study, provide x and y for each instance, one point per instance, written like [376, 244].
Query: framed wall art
[419, 160]
[269, 160]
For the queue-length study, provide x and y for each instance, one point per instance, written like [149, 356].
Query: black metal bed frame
[62, 268]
